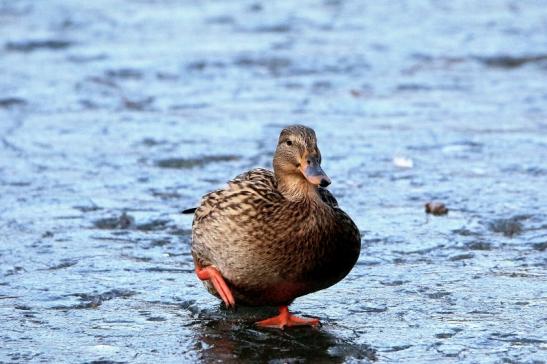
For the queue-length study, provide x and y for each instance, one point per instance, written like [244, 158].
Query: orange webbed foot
[213, 275]
[286, 319]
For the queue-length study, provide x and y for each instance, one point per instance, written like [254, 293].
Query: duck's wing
[327, 197]
[255, 187]
[261, 177]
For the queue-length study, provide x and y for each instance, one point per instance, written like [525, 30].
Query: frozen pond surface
[115, 115]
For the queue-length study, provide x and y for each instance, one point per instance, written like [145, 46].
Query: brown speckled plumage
[275, 236]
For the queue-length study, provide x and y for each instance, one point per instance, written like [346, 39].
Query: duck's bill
[315, 175]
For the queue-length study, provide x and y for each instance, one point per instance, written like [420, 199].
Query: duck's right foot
[286, 319]
[212, 274]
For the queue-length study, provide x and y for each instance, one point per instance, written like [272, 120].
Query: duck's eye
[289, 142]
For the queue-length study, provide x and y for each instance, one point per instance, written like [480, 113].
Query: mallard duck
[269, 237]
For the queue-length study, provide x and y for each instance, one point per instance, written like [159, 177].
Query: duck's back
[247, 196]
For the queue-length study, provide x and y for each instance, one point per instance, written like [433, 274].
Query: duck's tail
[189, 211]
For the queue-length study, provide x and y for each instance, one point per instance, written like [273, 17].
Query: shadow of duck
[235, 339]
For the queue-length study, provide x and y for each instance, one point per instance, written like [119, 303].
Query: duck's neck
[296, 188]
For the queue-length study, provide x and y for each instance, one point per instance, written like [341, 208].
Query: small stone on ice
[436, 208]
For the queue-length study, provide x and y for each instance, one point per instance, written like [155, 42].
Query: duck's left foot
[213, 275]
[286, 319]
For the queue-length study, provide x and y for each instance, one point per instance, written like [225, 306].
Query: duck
[269, 237]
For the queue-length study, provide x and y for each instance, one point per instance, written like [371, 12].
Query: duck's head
[297, 159]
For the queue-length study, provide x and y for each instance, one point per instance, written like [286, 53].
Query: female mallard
[269, 237]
